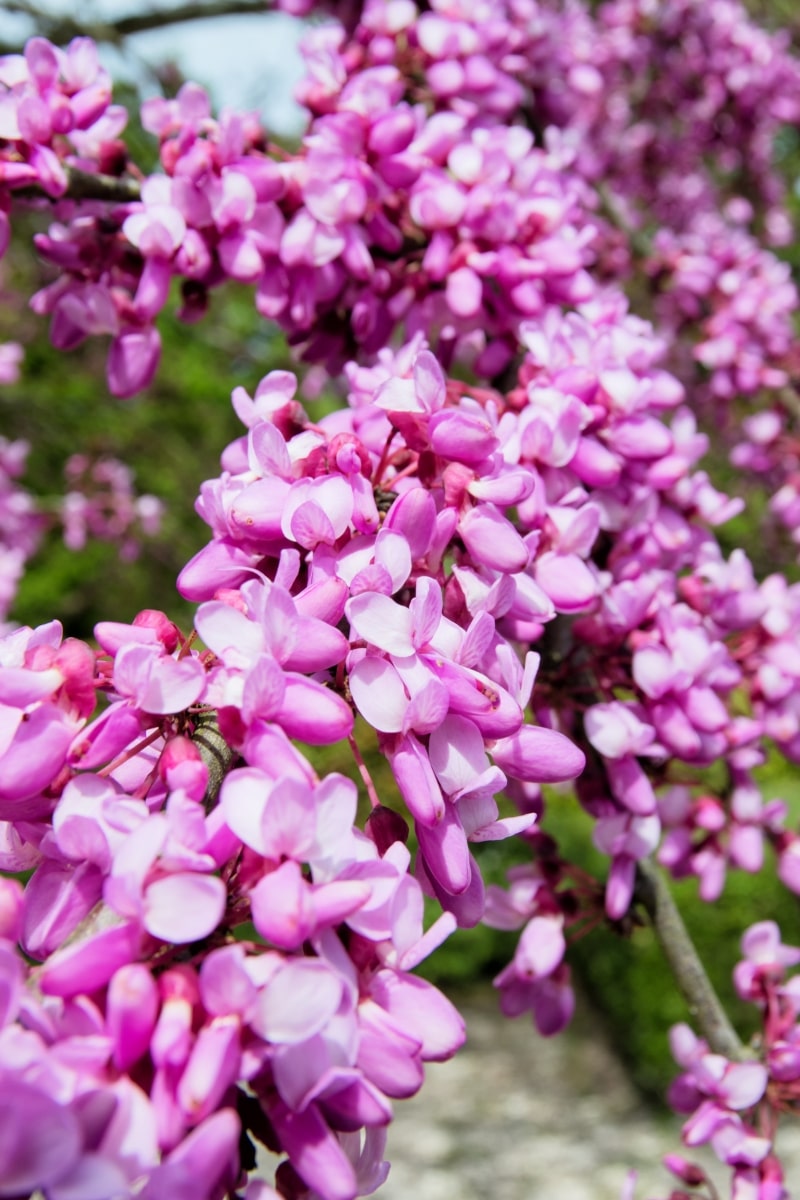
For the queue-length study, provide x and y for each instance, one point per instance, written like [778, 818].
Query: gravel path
[518, 1117]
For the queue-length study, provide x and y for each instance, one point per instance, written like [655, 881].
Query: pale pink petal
[379, 694]
[566, 579]
[184, 907]
[382, 623]
[297, 1002]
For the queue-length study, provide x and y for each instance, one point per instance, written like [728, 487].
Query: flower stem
[364, 772]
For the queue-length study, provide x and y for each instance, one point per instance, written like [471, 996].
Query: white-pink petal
[184, 907]
[297, 1002]
[382, 623]
[379, 694]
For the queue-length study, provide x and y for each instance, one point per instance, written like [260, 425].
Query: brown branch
[215, 752]
[63, 29]
[83, 185]
[790, 402]
[679, 950]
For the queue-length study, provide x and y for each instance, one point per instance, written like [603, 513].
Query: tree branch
[82, 185]
[215, 752]
[63, 29]
[684, 961]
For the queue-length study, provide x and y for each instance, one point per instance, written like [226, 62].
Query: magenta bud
[386, 827]
[687, 1172]
[392, 132]
[132, 361]
[181, 767]
[538, 755]
[131, 1013]
[166, 631]
[212, 1067]
[465, 437]
[413, 516]
[10, 909]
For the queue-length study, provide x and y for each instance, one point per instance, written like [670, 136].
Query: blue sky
[247, 62]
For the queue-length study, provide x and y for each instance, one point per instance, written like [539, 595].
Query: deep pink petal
[421, 1010]
[539, 755]
[418, 784]
[314, 1151]
[313, 713]
[89, 964]
[446, 851]
[36, 755]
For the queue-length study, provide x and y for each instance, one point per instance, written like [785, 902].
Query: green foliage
[623, 974]
[171, 437]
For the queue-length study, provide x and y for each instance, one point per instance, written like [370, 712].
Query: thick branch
[679, 951]
[63, 29]
[83, 185]
[215, 752]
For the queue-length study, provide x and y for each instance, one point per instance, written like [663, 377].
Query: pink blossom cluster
[652, 520]
[734, 1106]
[690, 664]
[576, 455]
[510, 584]
[130, 866]
[434, 676]
[771, 452]
[584, 454]
[754, 631]
[736, 296]
[690, 99]
[434, 208]
[537, 979]
[55, 110]
[388, 215]
[448, 524]
[100, 503]
[155, 1036]
[648, 96]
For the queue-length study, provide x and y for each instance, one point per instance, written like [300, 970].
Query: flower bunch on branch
[497, 565]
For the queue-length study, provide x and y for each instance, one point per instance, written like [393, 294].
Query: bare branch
[62, 29]
[684, 961]
[83, 185]
[215, 752]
